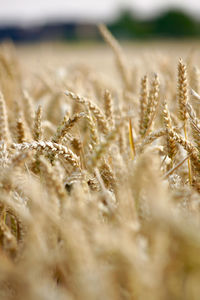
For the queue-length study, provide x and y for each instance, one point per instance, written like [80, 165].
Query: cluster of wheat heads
[99, 182]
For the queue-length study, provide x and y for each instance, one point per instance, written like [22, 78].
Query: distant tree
[175, 23]
[128, 26]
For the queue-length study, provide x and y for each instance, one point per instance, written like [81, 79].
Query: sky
[38, 11]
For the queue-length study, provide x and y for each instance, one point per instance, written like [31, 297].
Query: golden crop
[100, 178]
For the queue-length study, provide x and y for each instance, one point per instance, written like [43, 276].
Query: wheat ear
[182, 95]
[94, 109]
[108, 107]
[21, 137]
[68, 124]
[54, 148]
[37, 130]
[195, 125]
[188, 147]
[152, 106]
[93, 130]
[171, 144]
[107, 175]
[143, 103]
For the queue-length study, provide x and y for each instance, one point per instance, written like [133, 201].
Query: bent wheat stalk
[54, 148]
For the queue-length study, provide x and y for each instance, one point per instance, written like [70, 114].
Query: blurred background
[24, 21]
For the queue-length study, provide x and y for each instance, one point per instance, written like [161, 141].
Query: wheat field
[100, 171]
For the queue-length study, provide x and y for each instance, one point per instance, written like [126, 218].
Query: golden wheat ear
[107, 175]
[68, 124]
[182, 95]
[194, 124]
[189, 147]
[143, 104]
[37, 129]
[171, 144]
[108, 107]
[152, 105]
[99, 115]
[21, 135]
[182, 91]
[93, 129]
[50, 148]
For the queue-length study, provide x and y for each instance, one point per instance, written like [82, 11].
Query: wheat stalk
[120, 58]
